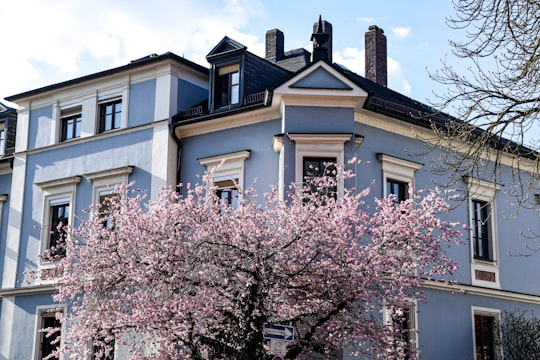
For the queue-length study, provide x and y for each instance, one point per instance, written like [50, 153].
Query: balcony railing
[260, 98]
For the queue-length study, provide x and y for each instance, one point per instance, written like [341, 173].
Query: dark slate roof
[294, 60]
[386, 101]
[150, 59]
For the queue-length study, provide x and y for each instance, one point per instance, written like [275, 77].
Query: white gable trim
[288, 94]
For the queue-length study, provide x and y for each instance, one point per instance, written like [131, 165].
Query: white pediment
[320, 85]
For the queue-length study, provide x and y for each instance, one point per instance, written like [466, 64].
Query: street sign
[278, 332]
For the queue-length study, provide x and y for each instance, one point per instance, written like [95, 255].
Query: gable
[320, 78]
[226, 45]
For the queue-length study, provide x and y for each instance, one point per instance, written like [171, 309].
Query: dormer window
[227, 86]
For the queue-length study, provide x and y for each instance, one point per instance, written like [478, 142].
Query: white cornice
[412, 131]
[28, 290]
[481, 291]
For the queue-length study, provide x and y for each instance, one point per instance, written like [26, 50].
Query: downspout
[179, 159]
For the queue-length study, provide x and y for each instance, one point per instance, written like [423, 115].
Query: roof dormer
[227, 60]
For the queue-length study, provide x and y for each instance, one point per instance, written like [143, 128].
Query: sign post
[279, 336]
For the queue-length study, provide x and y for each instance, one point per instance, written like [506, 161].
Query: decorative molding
[215, 160]
[98, 175]
[72, 180]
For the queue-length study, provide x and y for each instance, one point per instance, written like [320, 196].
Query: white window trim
[40, 310]
[394, 168]
[495, 313]
[3, 199]
[228, 167]
[413, 335]
[111, 97]
[484, 191]
[55, 192]
[105, 181]
[319, 145]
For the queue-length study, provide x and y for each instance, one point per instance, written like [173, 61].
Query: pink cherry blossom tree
[187, 276]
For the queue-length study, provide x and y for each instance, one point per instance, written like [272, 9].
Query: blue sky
[45, 42]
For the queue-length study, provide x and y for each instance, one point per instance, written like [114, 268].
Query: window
[71, 123]
[106, 348]
[228, 174]
[483, 234]
[110, 115]
[227, 86]
[58, 199]
[398, 176]
[227, 190]
[317, 167]
[480, 229]
[314, 148]
[402, 320]
[47, 345]
[59, 213]
[486, 334]
[104, 183]
[397, 188]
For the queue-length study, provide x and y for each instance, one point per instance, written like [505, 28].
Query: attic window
[227, 86]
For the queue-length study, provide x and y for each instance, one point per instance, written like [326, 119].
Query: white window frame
[413, 333]
[228, 167]
[57, 191]
[484, 191]
[397, 169]
[40, 311]
[321, 146]
[105, 181]
[496, 314]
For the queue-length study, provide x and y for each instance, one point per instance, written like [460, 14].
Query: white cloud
[396, 77]
[50, 42]
[352, 58]
[401, 32]
[364, 19]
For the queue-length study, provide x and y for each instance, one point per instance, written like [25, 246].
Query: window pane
[480, 226]
[226, 190]
[46, 346]
[110, 115]
[483, 332]
[397, 188]
[316, 167]
[59, 219]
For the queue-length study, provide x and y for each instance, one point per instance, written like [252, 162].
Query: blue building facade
[161, 120]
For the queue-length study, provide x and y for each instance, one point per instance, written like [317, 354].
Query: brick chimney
[326, 28]
[275, 45]
[375, 48]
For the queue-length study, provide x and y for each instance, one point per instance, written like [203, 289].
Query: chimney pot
[375, 49]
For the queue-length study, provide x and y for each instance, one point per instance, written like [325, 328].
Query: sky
[44, 42]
